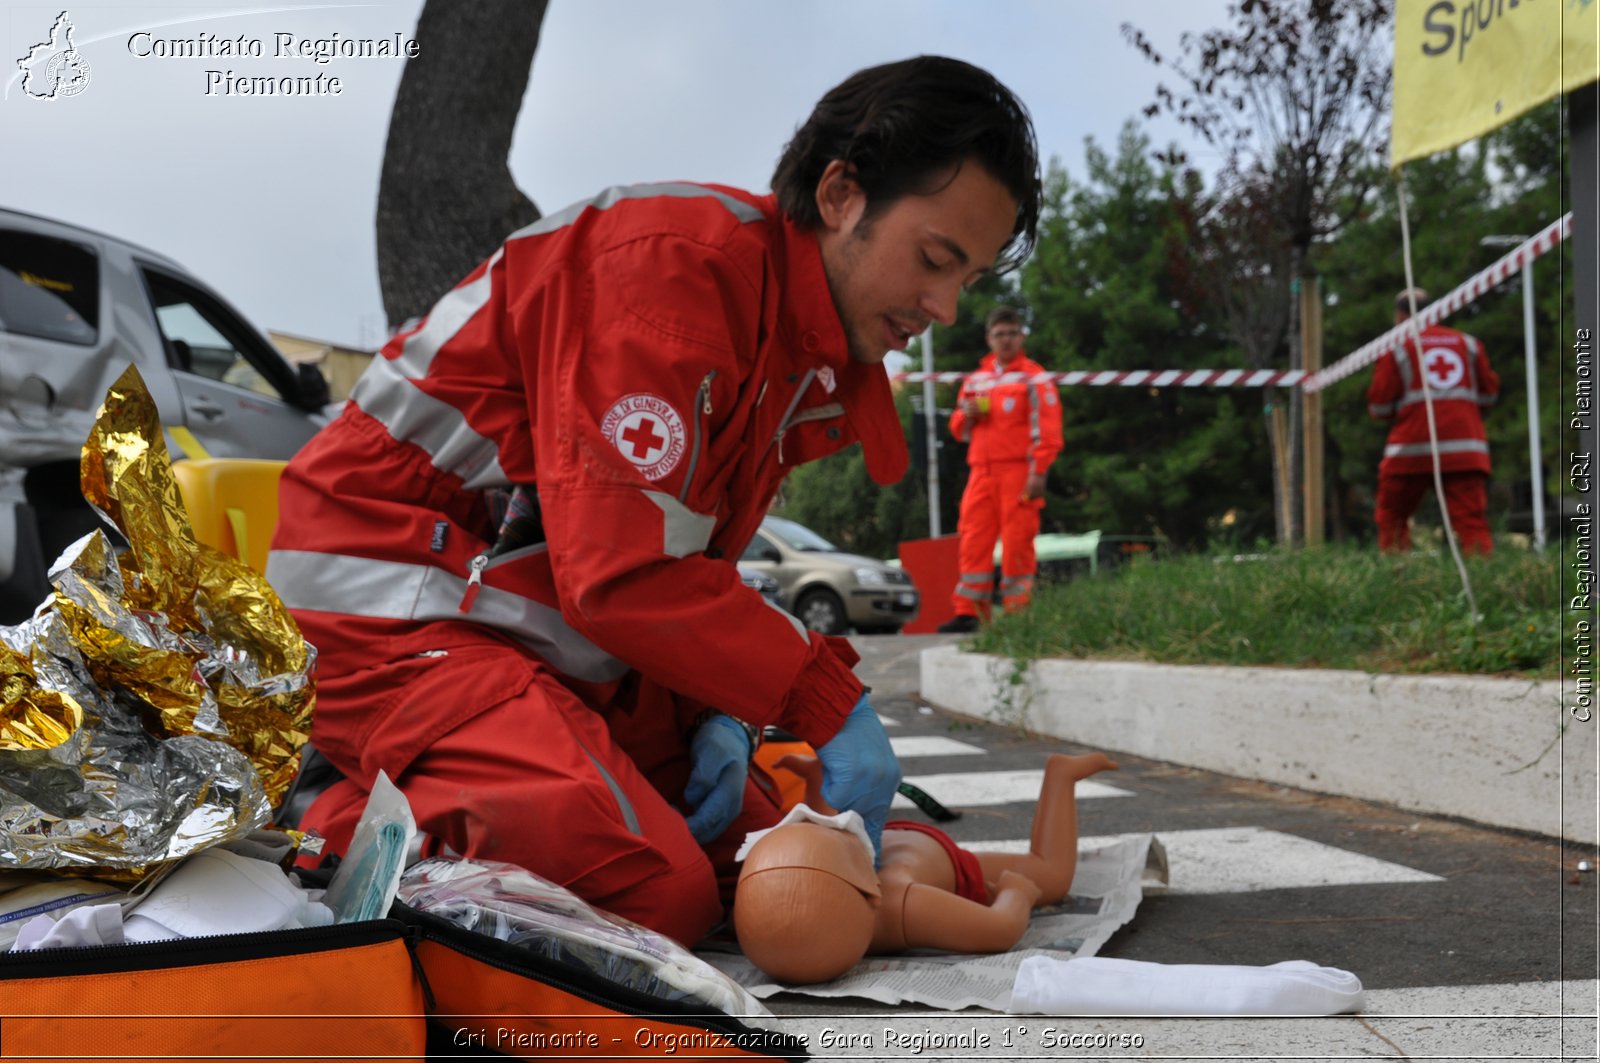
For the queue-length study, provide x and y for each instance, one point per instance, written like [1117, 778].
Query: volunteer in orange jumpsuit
[514, 548]
[1462, 384]
[1012, 426]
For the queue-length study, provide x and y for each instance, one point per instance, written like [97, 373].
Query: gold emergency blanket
[157, 703]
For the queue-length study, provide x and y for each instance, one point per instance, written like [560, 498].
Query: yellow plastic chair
[232, 503]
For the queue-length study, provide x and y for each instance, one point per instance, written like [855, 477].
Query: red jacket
[1461, 382]
[1023, 422]
[651, 364]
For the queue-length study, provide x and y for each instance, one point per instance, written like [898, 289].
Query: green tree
[1295, 95]
[1104, 286]
[836, 498]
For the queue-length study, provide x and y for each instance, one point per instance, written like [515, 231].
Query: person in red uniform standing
[1012, 426]
[514, 548]
[1462, 384]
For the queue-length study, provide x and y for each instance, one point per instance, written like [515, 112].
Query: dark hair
[901, 127]
[1003, 315]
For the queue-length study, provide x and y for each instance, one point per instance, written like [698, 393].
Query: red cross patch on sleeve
[647, 431]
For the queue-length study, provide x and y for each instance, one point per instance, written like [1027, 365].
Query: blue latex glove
[719, 757]
[859, 770]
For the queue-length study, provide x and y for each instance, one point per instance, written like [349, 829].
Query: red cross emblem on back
[1444, 368]
[647, 432]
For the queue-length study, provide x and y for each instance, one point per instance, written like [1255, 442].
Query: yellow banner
[1464, 67]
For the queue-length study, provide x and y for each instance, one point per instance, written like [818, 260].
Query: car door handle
[209, 410]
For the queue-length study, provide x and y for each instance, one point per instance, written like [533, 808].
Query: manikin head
[918, 177]
[803, 909]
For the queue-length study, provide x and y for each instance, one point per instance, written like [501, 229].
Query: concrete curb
[1489, 750]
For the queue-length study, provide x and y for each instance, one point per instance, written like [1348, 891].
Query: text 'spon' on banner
[1464, 67]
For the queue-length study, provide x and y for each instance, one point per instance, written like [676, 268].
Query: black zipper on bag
[197, 951]
[586, 986]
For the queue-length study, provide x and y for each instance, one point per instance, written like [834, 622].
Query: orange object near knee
[791, 786]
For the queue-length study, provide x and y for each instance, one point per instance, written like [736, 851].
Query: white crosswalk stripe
[1211, 861]
[970, 789]
[1248, 859]
[932, 746]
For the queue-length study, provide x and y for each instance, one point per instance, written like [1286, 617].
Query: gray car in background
[77, 307]
[829, 590]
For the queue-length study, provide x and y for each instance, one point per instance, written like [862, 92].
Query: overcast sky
[271, 199]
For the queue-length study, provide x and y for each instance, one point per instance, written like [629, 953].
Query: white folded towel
[1097, 985]
[849, 822]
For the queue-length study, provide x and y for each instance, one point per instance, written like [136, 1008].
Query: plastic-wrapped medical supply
[157, 703]
[509, 903]
[369, 876]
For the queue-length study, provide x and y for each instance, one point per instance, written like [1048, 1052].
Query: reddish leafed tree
[1294, 95]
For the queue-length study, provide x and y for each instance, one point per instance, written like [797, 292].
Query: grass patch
[1328, 608]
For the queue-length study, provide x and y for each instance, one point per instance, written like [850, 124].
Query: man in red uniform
[1013, 427]
[1461, 383]
[515, 547]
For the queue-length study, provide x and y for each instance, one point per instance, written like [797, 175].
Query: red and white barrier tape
[1518, 258]
[1136, 378]
[1540, 243]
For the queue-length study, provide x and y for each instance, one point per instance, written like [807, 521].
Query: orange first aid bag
[333, 992]
[493, 995]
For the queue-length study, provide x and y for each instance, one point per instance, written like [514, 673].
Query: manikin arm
[938, 919]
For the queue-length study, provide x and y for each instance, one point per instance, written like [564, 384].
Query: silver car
[829, 590]
[77, 307]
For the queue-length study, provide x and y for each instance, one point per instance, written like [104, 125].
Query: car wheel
[821, 610]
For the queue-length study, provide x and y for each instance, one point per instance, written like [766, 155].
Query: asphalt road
[1474, 907]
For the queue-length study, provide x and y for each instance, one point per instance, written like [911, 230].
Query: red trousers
[992, 508]
[1466, 499]
[501, 761]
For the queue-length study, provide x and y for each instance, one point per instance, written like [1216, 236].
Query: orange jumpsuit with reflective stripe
[1462, 383]
[1017, 432]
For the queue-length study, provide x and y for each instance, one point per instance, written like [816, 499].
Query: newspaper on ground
[1112, 876]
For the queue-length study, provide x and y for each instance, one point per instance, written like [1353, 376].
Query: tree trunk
[1314, 501]
[1296, 361]
[1278, 442]
[446, 199]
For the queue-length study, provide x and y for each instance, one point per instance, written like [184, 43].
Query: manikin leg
[1053, 852]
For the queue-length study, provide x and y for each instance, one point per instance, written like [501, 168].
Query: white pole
[930, 414]
[1531, 358]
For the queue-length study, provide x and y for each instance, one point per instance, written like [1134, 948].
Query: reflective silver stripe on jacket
[618, 193]
[1033, 421]
[1411, 398]
[630, 818]
[683, 531]
[448, 317]
[1446, 446]
[387, 391]
[1385, 410]
[394, 590]
[413, 416]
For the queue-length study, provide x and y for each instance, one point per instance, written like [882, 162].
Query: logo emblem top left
[54, 69]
